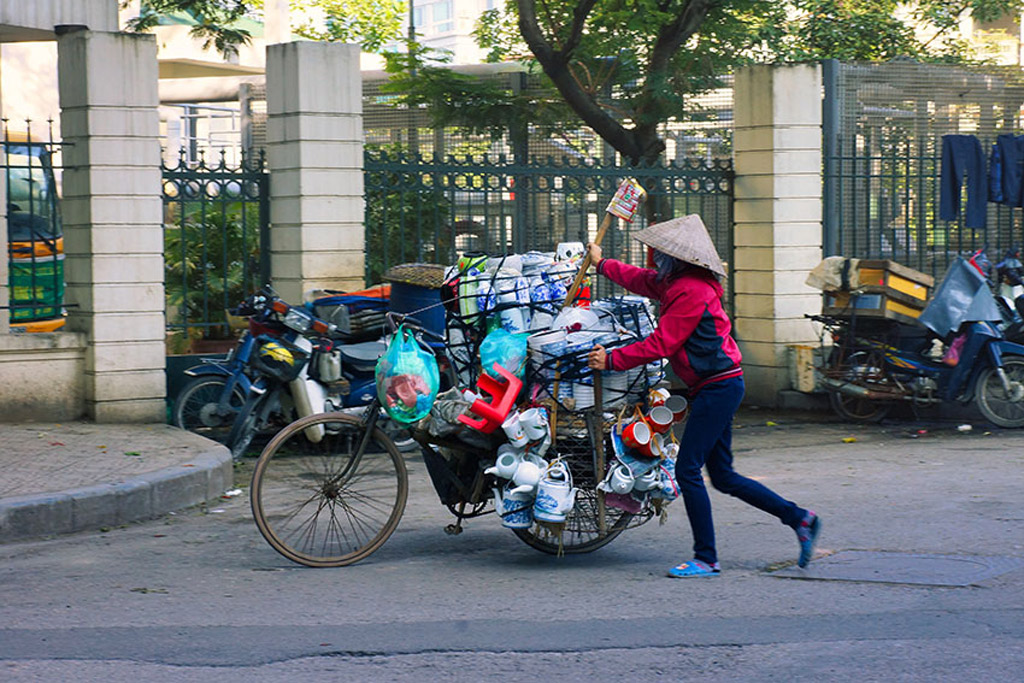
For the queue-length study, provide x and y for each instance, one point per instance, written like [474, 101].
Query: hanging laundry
[995, 175]
[962, 156]
[1006, 171]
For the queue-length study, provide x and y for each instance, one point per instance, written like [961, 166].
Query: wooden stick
[585, 265]
[602, 525]
[554, 404]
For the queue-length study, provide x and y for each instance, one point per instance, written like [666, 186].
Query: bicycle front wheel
[332, 503]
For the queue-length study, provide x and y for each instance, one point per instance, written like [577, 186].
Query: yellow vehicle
[35, 237]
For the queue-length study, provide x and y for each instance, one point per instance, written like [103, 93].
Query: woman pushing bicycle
[695, 335]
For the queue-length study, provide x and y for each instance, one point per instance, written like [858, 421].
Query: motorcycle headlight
[298, 320]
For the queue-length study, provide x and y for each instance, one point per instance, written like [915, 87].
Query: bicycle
[335, 502]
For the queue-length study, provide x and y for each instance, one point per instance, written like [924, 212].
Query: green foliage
[215, 20]
[211, 261]
[371, 23]
[879, 30]
[407, 218]
[421, 78]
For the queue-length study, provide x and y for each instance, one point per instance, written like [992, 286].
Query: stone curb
[204, 477]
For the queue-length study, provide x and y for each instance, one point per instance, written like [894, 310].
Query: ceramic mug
[660, 418]
[655, 448]
[636, 435]
[678, 405]
[659, 396]
[535, 424]
[565, 251]
[621, 479]
[513, 429]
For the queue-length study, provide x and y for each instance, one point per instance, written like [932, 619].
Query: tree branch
[672, 36]
[579, 20]
[555, 65]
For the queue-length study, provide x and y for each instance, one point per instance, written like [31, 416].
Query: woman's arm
[637, 280]
[666, 342]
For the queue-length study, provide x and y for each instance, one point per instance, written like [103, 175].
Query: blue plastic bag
[407, 378]
[506, 349]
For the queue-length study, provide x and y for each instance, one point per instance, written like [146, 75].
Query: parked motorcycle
[875, 364]
[209, 402]
[289, 364]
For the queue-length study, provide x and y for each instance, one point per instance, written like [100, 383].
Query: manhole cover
[894, 567]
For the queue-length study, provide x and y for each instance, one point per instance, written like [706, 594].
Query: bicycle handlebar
[403, 319]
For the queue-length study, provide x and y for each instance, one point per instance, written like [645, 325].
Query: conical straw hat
[686, 239]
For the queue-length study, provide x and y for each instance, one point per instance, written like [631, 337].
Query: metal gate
[424, 210]
[883, 128]
[216, 222]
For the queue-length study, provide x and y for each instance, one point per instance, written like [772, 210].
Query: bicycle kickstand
[456, 529]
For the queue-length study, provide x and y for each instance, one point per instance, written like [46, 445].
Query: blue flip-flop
[694, 568]
[807, 534]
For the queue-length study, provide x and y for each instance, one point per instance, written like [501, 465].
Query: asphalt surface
[199, 596]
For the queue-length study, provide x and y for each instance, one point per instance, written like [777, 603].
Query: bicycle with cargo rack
[335, 501]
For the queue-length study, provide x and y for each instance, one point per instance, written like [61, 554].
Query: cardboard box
[903, 284]
[870, 305]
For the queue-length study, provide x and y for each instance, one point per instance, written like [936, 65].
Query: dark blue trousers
[962, 156]
[707, 441]
[1006, 171]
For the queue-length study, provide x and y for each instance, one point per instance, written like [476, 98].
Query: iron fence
[883, 127]
[216, 223]
[426, 210]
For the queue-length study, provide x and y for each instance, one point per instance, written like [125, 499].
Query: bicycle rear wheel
[581, 533]
[328, 504]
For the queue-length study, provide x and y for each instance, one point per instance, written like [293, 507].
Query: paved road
[199, 596]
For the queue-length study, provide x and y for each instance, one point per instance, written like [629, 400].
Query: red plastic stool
[503, 397]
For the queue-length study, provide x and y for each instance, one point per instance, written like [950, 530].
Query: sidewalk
[62, 478]
[77, 476]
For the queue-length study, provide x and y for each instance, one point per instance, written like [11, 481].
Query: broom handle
[605, 223]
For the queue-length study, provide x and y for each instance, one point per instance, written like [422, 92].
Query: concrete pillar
[777, 212]
[113, 220]
[315, 154]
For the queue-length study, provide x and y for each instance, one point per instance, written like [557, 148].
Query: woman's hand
[597, 359]
[595, 253]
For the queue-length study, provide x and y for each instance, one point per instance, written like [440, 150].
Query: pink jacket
[693, 332]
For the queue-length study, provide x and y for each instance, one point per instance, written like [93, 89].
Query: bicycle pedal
[453, 529]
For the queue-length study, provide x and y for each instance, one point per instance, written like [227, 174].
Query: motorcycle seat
[362, 357]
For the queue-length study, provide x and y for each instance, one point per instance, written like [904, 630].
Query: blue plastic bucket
[413, 299]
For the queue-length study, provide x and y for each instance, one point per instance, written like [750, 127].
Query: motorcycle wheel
[998, 407]
[196, 408]
[244, 427]
[856, 368]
